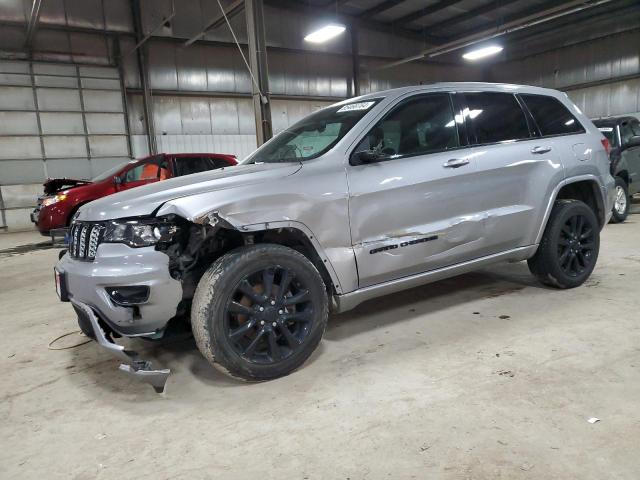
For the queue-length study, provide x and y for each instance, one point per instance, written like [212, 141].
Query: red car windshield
[111, 172]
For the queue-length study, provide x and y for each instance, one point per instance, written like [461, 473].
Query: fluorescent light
[325, 33]
[482, 52]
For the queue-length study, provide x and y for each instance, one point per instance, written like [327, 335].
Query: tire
[569, 248]
[622, 202]
[248, 343]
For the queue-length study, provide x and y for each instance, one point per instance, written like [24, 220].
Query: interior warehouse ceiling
[200, 91]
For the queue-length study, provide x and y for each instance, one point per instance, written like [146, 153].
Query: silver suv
[366, 197]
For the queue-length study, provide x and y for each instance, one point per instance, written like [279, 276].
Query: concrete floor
[484, 376]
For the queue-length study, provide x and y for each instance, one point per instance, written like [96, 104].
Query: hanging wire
[263, 99]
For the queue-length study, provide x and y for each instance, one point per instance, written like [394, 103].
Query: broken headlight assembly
[140, 232]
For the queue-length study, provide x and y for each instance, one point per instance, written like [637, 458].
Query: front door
[408, 205]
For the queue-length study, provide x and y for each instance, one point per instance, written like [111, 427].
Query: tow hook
[134, 366]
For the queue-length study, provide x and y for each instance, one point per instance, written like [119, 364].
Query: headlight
[142, 232]
[46, 201]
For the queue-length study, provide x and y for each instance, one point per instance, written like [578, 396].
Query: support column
[144, 78]
[258, 62]
[355, 60]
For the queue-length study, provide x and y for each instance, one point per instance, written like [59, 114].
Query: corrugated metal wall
[200, 94]
[602, 76]
[55, 121]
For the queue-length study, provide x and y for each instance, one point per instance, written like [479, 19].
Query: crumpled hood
[145, 200]
[53, 185]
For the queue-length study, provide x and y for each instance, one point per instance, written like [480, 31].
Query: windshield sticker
[606, 129]
[356, 106]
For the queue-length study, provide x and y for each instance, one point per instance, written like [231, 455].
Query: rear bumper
[132, 364]
[117, 265]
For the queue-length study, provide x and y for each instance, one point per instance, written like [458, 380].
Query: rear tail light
[606, 145]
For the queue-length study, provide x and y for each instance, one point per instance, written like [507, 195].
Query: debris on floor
[593, 420]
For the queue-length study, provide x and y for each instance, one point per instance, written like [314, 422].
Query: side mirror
[117, 180]
[633, 142]
[365, 156]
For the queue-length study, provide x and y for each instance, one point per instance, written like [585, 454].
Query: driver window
[153, 170]
[417, 126]
[137, 173]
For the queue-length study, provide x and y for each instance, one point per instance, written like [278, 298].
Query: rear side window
[496, 117]
[551, 116]
[189, 165]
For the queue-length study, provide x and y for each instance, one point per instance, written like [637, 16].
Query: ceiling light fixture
[482, 52]
[325, 33]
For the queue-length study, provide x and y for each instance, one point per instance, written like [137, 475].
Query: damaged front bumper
[132, 364]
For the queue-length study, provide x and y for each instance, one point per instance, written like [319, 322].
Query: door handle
[540, 150]
[455, 163]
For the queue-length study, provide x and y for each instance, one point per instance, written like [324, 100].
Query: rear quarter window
[551, 116]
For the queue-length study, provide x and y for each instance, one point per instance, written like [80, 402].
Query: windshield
[313, 135]
[111, 172]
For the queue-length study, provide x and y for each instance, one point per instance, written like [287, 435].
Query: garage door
[56, 120]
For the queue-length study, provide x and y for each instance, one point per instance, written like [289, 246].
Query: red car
[63, 196]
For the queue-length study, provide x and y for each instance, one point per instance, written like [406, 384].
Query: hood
[53, 185]
[145, 200]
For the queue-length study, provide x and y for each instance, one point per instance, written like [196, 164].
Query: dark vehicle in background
[63, 196]
[623, 134]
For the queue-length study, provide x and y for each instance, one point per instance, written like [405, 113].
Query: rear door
[410, 210]
[516, 169]
[628, 130]
[187, 165]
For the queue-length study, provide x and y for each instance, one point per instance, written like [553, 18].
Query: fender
[306, 231]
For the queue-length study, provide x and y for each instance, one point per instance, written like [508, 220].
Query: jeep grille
[84, 240]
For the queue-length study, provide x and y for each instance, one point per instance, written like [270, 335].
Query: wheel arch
[585, 188]
[299, 237]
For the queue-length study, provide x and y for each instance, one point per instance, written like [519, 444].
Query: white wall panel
[58, 99]
[108, 145]
[105, 123]
[16, 98]
[195, 114]
[61, 123]
[21, 123]
[69, 167]
[61, 147]
[21, 172]
[19, 147]
[14, 79]
[51, 81]
[102, 101]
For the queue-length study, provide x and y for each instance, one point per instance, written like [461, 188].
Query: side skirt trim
[348, 301]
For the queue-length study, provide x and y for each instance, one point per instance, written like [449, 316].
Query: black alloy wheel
[575, 245]
[269, 315]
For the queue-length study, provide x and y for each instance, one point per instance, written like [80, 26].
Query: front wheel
[621, 204]
[259, 311]
[569, 248]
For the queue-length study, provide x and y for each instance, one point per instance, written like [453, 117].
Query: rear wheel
[259, 311]
[621, 204]
[569, 248]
